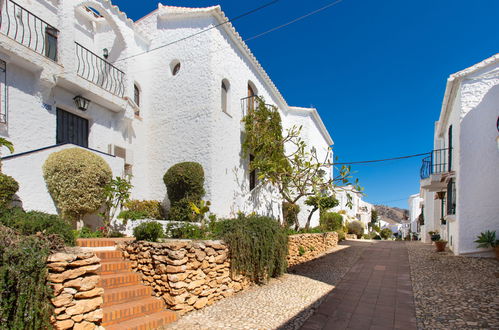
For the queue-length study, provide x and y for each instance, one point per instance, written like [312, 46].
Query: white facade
[359, 209]
[179, 115]
[414, 202]
[468, 124]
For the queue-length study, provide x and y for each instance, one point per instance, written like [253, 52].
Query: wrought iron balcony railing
[28, 29]
[99, 71]
[252, 102]
[439, 161]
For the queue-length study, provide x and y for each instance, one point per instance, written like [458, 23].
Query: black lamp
[81, 102]
[105, 53]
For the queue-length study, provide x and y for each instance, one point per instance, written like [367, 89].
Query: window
[252, 175]
[3, 92]
[51, 43]
[71, 129]
[224, 95]
[136, 94]
[175, 67]
[251, 98]
[451, 197]
[449, 134]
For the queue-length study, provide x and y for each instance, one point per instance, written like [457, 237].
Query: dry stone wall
[187, 274]
[77, 297]
[305, 247]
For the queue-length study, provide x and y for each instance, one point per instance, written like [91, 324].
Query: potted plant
[440, 245]
[435, 236]
[488, 240]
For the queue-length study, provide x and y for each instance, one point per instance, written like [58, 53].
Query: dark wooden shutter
[71, 129]
[450, 147]
[451, 197]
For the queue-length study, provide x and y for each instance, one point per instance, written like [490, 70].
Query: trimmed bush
[150, 208]
[33, 222]
[184, 184]
[258, 246]
[148, 231]
[24, 294]
[76, 179]
[331, 221]
[341, 235]
[356, 227]
[8, 188]
[386, 233]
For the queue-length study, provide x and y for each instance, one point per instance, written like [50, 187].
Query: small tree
[386, 233]
[356, 227]
[116, 193]
[319, 202]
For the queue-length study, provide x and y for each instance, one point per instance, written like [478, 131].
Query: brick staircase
[128, 304]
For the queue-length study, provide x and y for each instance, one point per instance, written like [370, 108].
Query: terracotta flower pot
[440, 245]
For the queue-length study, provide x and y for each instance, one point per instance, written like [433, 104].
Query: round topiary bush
[75, 179]
[386, 233]
[148, 231]
[356, 227]
[184, 184]
[8, 188]
[331, 221]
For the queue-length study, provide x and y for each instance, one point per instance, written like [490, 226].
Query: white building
[414, 202]
[359, 209]
[153, 102]
[460, 178]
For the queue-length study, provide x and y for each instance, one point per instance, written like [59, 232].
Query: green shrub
[86, 232]
[8, 188]
[32, 222]
[184, 184]
[150, 209]
[377, 237]
[258, 246]
[290, 213]
[356, 227]
[301, 250]
[76, 179]
[341, 235]
[386, 233]
[186, 231]
[331, 221]
[148, 231]
[24, 294]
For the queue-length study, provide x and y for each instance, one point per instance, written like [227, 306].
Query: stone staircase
[128, 304]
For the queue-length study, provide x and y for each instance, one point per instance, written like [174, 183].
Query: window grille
[3, 92]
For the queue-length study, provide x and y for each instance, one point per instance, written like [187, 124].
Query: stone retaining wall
[305, 247]
[77, 298]
[187, 274]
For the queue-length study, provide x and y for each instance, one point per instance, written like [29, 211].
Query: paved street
[376, 293]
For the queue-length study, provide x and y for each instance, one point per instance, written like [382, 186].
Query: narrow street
[376, 293]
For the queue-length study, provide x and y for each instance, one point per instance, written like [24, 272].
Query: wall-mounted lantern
[81, 102]
[105, 53]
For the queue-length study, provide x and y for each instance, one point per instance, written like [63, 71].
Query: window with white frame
[3, 92]
[225, 95]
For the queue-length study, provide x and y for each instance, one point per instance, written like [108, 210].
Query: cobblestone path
[453, 292]
[375, 294]
[283, 303]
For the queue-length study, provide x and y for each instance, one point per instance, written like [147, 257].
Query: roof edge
[318, 120]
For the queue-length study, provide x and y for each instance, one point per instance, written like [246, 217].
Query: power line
[295, 20]
[203, 31]
[382, 160]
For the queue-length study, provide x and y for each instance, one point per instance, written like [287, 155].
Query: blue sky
[375, 70]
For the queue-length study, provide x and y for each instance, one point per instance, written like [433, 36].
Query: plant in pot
[435, 236]
[440, 245]
[488, 240]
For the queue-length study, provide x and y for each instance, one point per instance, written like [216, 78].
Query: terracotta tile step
[117, 266]
[94, 242]
[146, 322]
[119, 280]
[130, 310]
[126, 294]
[109, 255]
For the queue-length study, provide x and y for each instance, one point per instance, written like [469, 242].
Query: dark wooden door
[71, 129]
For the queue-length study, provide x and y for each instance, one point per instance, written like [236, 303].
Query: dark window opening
[251, 98]
[252, 175]
[450, 147]
[51, 35]
[451, 197]
[136, 94]
[71, 129]
[225, 91]
[176, 69]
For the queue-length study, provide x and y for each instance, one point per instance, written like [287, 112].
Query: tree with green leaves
[319, 202]
[116, 193]
[7, 144]
[285, 161]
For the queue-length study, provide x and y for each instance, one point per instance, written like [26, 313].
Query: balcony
[434, 168]
[29, 30]
[98, 71]
[252, 102]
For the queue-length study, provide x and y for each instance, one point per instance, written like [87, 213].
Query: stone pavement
[375, 294]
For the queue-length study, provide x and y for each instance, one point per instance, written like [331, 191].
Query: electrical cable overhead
[381, 160]
[294, 20]
[203, 31]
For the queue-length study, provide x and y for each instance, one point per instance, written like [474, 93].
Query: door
[71, 129]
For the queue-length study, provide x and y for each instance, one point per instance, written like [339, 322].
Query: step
[109, 255]
[131, 310]
[111, 281]
[115, 266]
[126, 294]
[94, 242]
[146, 322]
